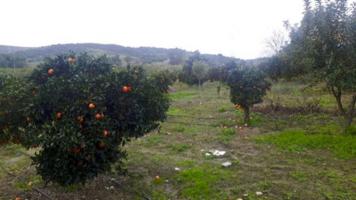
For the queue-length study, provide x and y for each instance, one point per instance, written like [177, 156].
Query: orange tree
[247, 87]
[82, 113]
[14, 98]
[163, 79]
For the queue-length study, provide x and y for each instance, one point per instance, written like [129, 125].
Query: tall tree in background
[200, 70]
[188, 75]
[221, 73]
[324, 45]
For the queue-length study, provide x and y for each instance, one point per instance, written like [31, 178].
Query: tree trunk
[246, 115]
[218, 88]
[350, 116]
[199, 85]
[337, 94]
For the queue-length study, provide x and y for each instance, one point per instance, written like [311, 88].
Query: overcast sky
[236, 28]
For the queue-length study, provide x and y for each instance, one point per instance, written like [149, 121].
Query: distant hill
[140, 54]
[10, 49]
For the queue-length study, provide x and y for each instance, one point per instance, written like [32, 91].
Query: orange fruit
[59, 115]
[91, 106]
[106, 133]
[99, 116]
[80, 119]
[50, 71]
[126, 89]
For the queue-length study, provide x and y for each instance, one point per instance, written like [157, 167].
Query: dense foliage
[324, 48]
[14, 100]
[163, 79]
[247, 87]
[82, 113]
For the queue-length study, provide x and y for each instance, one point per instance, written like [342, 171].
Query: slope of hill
[4, 49]
[140, 54]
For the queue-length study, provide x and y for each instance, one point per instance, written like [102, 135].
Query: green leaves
[76, 143]
[247, 87]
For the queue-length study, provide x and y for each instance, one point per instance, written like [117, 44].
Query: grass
[281, 154]
[200, 182]
[343, 146]
[182, 95]
[226, 135]
[179, 148]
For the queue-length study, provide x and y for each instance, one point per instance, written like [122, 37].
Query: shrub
[247, 87]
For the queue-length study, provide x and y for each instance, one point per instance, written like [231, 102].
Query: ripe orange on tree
[106, 133]
[80, 119]
[59, 115]
[126, 89]
[91, 106]
[50, 72]
[99, 116]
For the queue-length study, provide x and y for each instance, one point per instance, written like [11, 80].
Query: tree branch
[337, 94]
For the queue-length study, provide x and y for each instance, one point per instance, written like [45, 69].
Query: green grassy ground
[283, 155]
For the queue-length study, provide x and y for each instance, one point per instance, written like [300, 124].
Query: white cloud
[232, 27]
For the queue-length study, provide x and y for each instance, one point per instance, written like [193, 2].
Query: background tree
[200, 70]
[176, 56]
[163, 79]
[12, 61]
[115, 60]
[324, 47]
[221, 74]
[187, 75]
[247, 87]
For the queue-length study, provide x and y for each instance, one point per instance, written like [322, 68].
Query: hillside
[10, 49]
[140, 54]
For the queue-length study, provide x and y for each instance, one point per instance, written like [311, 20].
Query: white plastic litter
[217, 152]
[226, 164]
